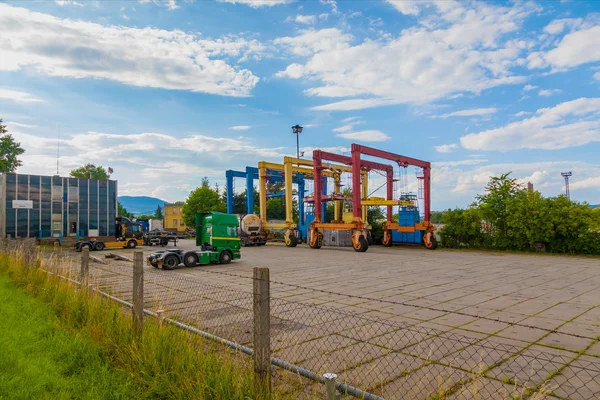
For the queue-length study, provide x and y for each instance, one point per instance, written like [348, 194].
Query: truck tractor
[217, 238]
[128, 234]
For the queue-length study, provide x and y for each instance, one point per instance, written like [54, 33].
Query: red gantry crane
[358, 226]
[403, 162]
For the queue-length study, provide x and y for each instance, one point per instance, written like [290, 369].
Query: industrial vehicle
[128, 234]
[251, 232]
[159, 238]
[217, 238]
[410, 229]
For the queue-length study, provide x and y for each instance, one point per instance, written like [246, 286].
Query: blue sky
[166, 92]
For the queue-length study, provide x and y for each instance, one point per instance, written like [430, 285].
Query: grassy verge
[166, 363]
[40, 359]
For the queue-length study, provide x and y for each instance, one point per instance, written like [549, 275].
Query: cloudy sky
[166, 92]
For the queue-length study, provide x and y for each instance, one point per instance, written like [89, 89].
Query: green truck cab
[217, 236]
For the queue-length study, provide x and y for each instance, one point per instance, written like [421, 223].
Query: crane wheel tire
[433, 244]
[99, 246]
[225, 257]
[132, 244]
[363, 245]
[190, 260]
[293, 242]
[170, 262]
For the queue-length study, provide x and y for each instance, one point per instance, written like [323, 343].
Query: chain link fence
[370, 357]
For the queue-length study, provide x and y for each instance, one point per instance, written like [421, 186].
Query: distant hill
[141, 204]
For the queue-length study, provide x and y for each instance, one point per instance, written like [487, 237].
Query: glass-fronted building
[44, 206]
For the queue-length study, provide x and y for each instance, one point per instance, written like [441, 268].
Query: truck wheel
[225, 257]
[190, 260]
[132, 244]
[84, 245]
[170, 262]
[99, 246]
[155, 265]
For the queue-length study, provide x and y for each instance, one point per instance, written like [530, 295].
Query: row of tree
[510, 217]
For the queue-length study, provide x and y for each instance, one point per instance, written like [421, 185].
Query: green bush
[507, 217]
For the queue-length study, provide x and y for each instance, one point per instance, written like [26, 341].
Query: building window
[175, 211]
[73, 194]
[181, 223]
[175, 223]
[57, 193]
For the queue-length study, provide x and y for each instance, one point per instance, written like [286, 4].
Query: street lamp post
[297, 130]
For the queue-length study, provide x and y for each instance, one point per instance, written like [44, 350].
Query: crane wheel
[291, 240]
[433, 244]
[316, 240]
[387, 239]
[361, 246]
[132, 244]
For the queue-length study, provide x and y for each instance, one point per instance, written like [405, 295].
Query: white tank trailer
[250, 230]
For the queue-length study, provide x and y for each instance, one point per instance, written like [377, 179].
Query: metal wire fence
[382, 358]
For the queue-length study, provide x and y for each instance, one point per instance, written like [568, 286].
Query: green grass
[165, 363]
[42, 360]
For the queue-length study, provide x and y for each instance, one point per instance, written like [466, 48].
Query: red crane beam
[319, 156]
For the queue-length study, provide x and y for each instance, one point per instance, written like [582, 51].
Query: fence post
[330, 386]
[262, 332]
[161, 317]
[85, 268]
[138, 293]
[55, 247]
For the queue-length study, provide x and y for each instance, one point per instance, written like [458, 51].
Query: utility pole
[566, 175]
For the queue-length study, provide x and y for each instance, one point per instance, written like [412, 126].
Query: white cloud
[527, 88]
[569, 124]
[576, 48]
[312, 41]
[257, 3]
[461, 48]
[407, 7]
[306, 19]
[470, 113]
[63, 3]
[522, 113]
[333, 4]
[446, 148]
[146, 57]
[16, 96]
[293, 71]
[240, 127]
[548, 92]
[372, 135]
[172, 5]
[13, 125]
[593, 182]
[597, 76]
[198, 155]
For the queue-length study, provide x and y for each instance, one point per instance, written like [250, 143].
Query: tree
[158, 214]
[493, 206]
[122, 211]
[10, 150]
[90, 171]
[203, 198]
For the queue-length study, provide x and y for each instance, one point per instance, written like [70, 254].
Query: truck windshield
[231, 231]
